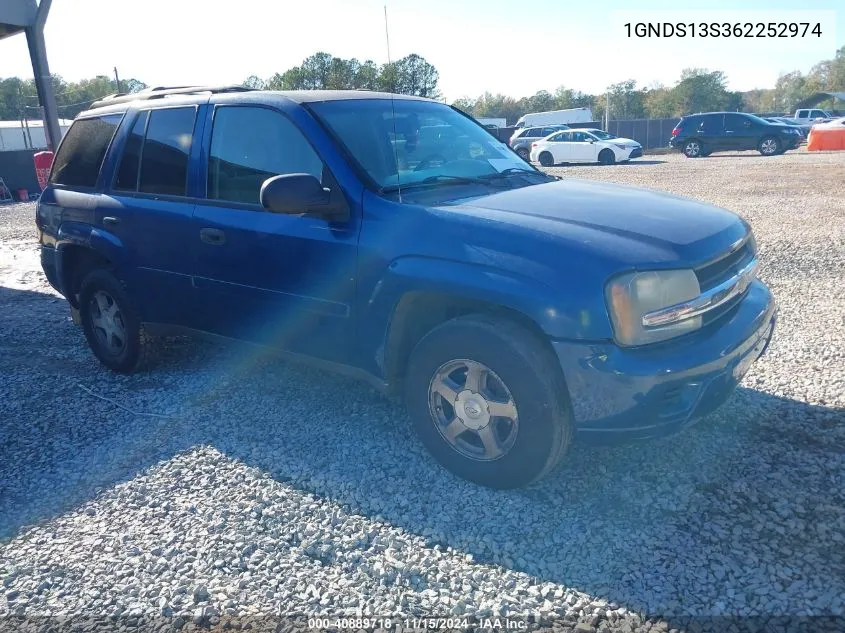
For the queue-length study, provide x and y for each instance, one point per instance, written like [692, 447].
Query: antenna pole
[393, 105]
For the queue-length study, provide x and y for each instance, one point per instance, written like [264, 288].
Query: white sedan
[584, 146]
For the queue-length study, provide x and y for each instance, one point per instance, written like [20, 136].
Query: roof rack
[164, 91]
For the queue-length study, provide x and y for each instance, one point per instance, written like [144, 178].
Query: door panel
[740, 132]
[560, 147]
[154, 223]
[581, 150]
[283, 280]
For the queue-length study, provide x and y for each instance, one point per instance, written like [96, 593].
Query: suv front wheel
[112, 326]
[488, 402]
[769, 146]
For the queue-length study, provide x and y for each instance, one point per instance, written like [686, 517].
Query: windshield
[756, 119]
[602, 135]
[407, 141]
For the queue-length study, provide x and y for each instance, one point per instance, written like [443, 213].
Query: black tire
[693, 148]
[134, 353]
[606, 157]
[524, 154]
[529, 372]
[546, 159]
[769, 146]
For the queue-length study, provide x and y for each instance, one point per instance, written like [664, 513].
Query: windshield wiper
[513, 171]
[440, 179]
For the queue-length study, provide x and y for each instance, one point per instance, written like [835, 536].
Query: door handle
[110, 219]
[216, 237]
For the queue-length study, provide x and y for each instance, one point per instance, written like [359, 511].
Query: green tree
[254, 81]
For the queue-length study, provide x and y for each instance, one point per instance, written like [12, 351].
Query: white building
[18, 135]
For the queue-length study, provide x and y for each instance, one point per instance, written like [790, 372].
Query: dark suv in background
[702, 134]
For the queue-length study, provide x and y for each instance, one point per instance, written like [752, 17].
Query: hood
[627, 226]
[623, 141]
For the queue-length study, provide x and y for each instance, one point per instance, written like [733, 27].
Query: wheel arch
[419, 312]
[82, 248]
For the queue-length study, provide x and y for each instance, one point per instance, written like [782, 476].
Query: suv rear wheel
[523, 153]
[111, 324]
[693, 148]
[488, 402]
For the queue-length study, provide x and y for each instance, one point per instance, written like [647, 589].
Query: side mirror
[295, 194]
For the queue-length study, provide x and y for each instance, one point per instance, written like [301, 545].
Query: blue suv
[393, 238]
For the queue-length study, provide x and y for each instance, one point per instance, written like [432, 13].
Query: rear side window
[164, 160]
[127, 173]
[81, 154]
[250, 145]
[155, 157]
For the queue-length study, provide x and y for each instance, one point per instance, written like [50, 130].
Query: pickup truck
[812, 114]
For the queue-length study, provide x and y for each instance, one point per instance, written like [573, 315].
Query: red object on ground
[23, 195]
[43, 161]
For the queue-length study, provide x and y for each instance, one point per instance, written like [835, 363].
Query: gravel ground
[228, 482]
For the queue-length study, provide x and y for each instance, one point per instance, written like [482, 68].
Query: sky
[515, 47]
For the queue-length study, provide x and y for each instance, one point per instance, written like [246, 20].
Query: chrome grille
[725, 266]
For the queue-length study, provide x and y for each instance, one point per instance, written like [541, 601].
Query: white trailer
[498, 122]
[18, 135]
[555, 117]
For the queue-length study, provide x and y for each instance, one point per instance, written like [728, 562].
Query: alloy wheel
[473, 410]
[107, 323]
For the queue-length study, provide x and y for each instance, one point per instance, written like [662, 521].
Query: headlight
[621, 146]
[632, 295]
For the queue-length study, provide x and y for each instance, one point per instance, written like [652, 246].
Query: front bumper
[636, 393]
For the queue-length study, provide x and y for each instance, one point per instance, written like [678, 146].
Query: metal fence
[650, 133]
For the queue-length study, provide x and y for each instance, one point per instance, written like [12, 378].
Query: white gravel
[242, 485]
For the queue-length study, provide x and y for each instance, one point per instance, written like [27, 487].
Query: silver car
[522, 138]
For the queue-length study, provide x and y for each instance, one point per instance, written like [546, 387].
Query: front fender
[554, 313]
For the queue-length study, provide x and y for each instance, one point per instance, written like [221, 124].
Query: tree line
[18, 98]
[697, 90]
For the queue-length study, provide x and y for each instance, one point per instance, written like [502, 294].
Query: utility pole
[116, 79]
[607, 112]
[41, 72]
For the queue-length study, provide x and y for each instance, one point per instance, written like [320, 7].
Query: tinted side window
[736, 122]
[712, 123]
[164, 158]
[127, 173]
[250, 145]
[532, 132]
[548, 130]
[81, 154]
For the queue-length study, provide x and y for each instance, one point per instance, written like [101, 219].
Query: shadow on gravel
[637, 524]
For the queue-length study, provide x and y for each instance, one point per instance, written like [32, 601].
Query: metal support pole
[43, 80]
